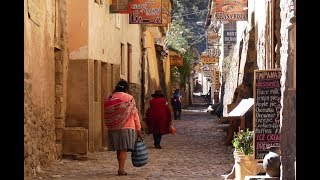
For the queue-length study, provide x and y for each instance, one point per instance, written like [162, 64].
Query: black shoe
[158, 147]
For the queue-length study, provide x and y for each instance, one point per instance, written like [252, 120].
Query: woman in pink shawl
[121, 139]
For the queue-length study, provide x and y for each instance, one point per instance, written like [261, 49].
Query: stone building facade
[266, 41]
[75, 53]
[288, 87]
[45, 59]
[103, 47]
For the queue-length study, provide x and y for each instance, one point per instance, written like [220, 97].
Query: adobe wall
[106, 33]
[77, 29]
[39, 86]
[153, 81]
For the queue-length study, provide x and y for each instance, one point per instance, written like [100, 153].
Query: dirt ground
[196, 151]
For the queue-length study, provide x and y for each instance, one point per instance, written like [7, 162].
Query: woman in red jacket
[158, 117]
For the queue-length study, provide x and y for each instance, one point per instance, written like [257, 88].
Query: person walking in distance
[176, 104]
[123, 122]
[158, 117]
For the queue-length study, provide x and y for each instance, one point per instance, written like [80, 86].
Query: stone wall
[288, 101]
[39, 86]
[61, 70]
[253, 56]
[230, 77]
[39, 134]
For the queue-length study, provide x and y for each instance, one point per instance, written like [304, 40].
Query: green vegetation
[243, 142]
[184, 35]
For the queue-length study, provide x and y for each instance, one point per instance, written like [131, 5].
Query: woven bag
[139, 155]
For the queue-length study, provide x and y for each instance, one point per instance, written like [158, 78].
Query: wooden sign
[211, 42]
[216, 79]
[176, 61]
[166, 12]
[145, 12]
[119, 6]
[207, 73]
[209, 60]
[213, 35]
[266, 112]
[214, 52]
[232, 10]
[229, 36]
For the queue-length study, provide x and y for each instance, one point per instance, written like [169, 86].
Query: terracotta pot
[271, 162]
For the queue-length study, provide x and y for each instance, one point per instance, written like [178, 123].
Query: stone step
[261, 177]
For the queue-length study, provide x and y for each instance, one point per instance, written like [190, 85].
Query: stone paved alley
[196, 151]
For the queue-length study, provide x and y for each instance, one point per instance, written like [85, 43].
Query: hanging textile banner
[119, 6]
[145, 12]
[232, 10]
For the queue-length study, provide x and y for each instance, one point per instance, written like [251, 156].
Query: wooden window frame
[129, 61]
[122, 64]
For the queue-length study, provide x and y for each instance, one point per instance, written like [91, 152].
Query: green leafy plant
[243, 142]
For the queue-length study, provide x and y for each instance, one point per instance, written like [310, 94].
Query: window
[122, 70]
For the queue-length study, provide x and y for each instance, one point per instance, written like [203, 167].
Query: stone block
[57, 109]
[59, 134]
[59, 149]
[59, 89]
[262, 177]
[59, 78]
[58, 55]
[58, 65]
[75, 141]
[59, 123]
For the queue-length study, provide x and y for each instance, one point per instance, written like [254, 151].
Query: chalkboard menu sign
[267, 95]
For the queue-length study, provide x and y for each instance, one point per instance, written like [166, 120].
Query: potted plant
[243, 142]
[245, 164]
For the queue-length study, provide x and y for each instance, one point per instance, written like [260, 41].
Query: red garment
[158, 116]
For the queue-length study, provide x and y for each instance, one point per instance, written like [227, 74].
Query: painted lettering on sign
[267, 96]
[229, 36]
[209, 60]
[232, 10]
[145, 12]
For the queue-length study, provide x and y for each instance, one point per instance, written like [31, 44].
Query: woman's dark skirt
[121, 139]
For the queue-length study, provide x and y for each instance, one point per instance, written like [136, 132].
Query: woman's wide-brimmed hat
[157, 93]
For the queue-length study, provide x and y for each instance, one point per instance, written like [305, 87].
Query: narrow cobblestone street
[196, 151]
